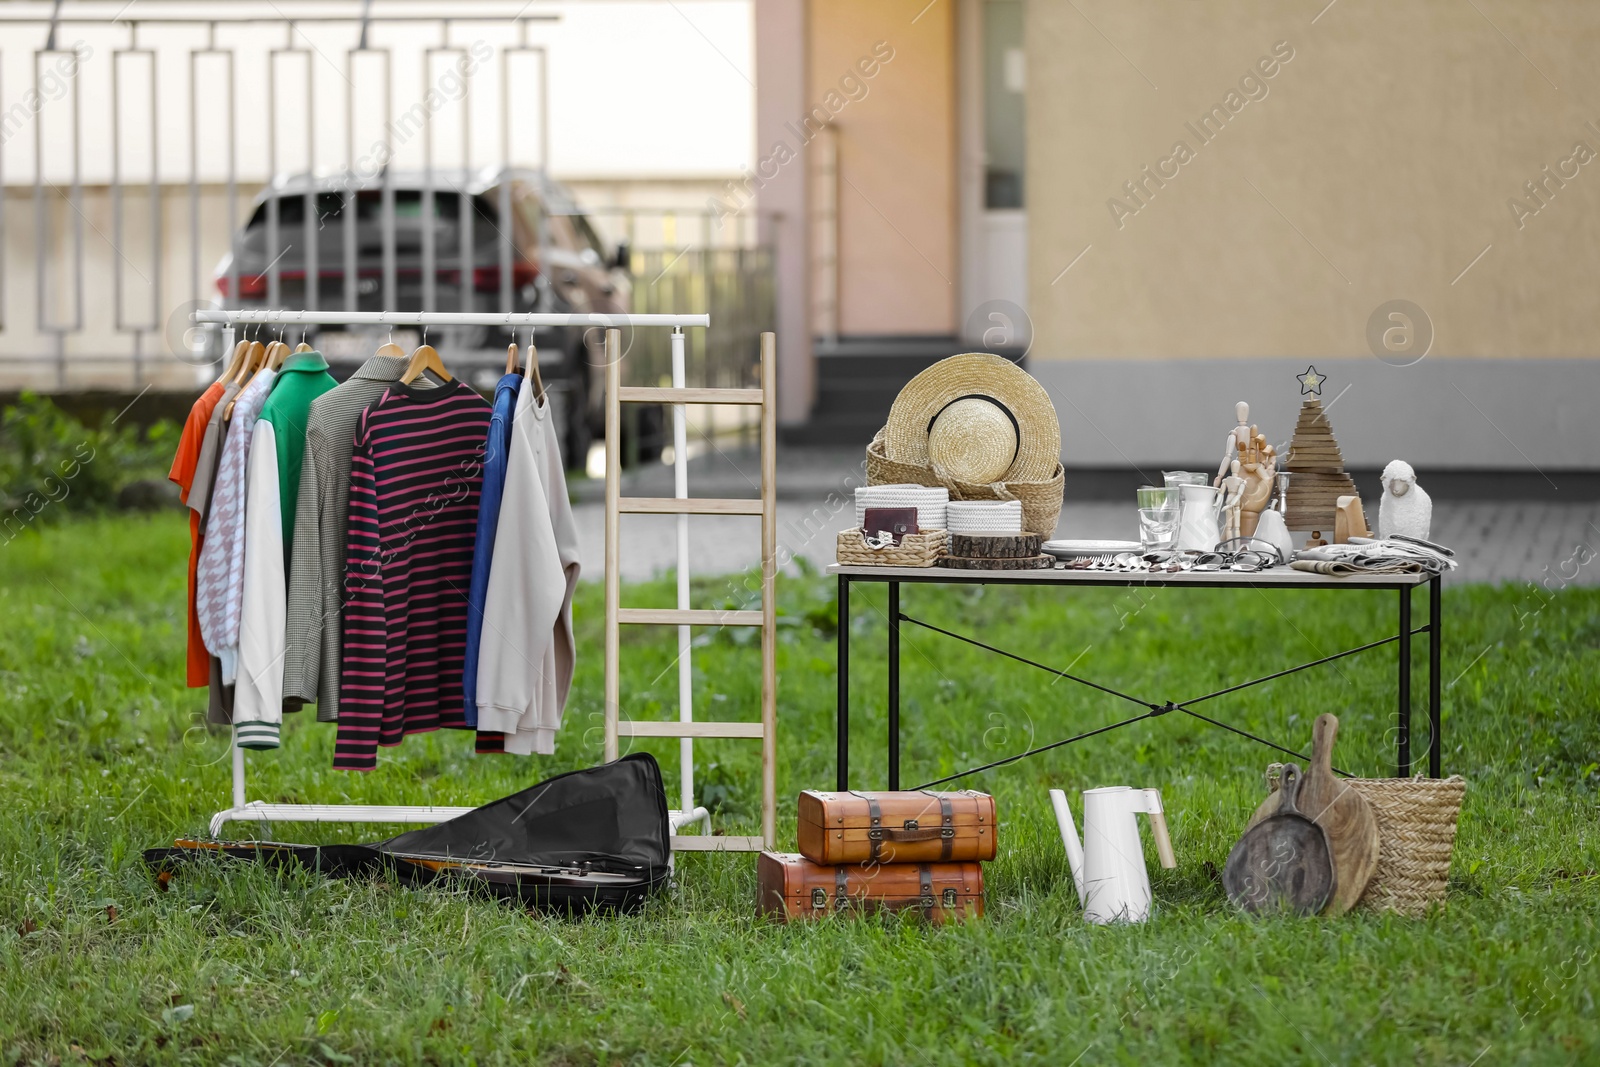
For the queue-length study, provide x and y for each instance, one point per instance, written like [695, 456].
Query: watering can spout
[1069, 838]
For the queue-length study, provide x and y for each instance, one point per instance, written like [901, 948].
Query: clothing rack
[244, 810]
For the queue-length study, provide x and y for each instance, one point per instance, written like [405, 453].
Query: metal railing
[127, 229]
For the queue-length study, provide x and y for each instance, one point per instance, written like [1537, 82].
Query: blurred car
[557, 263]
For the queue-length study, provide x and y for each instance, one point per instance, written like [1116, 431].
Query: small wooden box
[792, 887]
[910, 826]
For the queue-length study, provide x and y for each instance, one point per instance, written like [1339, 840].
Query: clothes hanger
[235, 360]
[425, 358]
[533, 372]
[511, 358]
[302, 346]
[254, 360]
[389, 348]
[277, 352]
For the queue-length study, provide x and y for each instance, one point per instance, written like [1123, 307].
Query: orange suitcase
[792, 887]
[909, 826]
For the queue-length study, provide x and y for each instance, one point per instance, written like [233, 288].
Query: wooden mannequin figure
[1232, 495]
[1238, 440]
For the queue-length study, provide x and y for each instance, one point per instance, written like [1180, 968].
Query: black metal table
[1276, 579]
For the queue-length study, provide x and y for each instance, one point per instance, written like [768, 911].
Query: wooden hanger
[511, 358]
[425, 358]
[302, 346]
[277, 352]
[533, 372]
[254, 360]
[235, 360]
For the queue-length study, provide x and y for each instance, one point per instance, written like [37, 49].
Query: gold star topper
[1310, 381]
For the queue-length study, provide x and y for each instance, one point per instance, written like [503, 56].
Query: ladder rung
[635, 394]
[688, 617]
[707, 843]
[668, 728]
[669, 505]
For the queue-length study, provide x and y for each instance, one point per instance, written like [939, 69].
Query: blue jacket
[494, 484]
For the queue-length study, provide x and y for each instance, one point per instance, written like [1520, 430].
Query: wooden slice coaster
[995, 546]
[1015, 563]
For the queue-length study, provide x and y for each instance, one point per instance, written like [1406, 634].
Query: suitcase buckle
[928, 901]
[950, 896]
[819, 898]
[911, 824]
[875, 834]
[947, 832]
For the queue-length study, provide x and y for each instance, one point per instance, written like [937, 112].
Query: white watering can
[1108, 867]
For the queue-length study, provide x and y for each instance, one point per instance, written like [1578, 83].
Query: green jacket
[303, 377]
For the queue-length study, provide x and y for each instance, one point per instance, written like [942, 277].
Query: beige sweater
[526, 656]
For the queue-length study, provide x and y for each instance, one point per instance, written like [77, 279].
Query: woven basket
[1041, 501]
[1416, 833]
[914, 550]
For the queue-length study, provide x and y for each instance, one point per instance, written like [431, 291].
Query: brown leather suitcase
[792, 887]
[910, 826]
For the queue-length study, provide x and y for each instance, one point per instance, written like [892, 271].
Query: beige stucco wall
[896, 145]
[1377, 166]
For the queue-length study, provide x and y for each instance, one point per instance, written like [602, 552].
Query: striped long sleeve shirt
[415, 480]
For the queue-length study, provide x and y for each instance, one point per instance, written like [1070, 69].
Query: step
[688, 617]
[668, 728]
[671, 505]
[636, 394]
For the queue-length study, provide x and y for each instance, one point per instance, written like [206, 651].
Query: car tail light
[250, 285]
[487, 279]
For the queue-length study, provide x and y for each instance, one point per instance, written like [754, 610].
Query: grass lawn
[104, 753]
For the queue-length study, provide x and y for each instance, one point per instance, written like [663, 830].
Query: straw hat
[975, 418]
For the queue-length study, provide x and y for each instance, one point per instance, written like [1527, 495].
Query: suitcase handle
[931, 833]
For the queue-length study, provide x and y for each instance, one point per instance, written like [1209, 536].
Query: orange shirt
[182, 474]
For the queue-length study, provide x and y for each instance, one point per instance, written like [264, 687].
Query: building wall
[1380, 161]
[896, 192]
[1378, 165]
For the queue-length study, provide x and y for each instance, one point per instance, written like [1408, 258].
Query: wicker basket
[914, 550]
[1041, 501]
[1416, 832]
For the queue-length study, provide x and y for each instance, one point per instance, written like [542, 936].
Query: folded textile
[1372, 557]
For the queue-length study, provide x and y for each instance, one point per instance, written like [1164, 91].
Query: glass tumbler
[1158, 529]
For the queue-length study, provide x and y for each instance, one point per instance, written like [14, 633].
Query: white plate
[1072, 549]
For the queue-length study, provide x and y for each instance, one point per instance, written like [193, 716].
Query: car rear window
[369, 207]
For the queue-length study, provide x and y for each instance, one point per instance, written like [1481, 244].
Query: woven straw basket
[1416, 833]
[1041, 501]
[914, 550]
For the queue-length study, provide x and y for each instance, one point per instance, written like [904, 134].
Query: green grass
[103, 753]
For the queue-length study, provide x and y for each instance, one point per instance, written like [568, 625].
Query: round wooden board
[994, 546]
[1020, 563]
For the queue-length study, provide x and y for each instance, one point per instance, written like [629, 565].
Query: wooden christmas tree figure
[1317, 468]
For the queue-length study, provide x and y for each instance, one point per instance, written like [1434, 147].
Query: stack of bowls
[985, 516]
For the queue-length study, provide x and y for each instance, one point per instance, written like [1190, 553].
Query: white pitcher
[1199, 513]
[1108, 867]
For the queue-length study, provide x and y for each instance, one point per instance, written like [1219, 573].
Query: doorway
[994, 220]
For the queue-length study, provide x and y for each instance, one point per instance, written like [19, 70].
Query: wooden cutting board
[1342, 812]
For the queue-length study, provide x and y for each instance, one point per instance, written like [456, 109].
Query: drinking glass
[1158, 529]
[1176, 478]
[1160, 497]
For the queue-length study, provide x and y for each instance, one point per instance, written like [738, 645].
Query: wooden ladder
[618, 616]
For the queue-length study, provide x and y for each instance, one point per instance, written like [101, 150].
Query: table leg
[842, 731]
[1435, 652]
[894, 685]
[1403, 711]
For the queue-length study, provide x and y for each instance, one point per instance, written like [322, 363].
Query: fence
[283, 154]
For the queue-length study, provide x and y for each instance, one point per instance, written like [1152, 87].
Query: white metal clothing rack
[244, 810]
